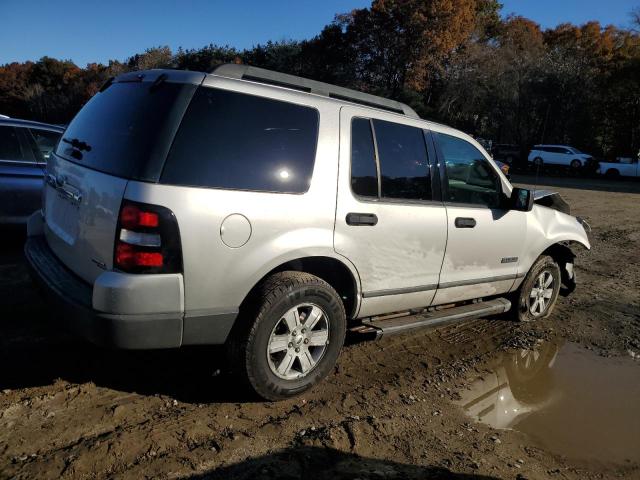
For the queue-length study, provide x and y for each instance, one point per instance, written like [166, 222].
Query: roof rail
[261, 75]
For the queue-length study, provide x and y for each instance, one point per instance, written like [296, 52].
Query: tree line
[454, 61]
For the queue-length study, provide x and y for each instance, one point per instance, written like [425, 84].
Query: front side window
[404, 167]
[238, 141]
[10, 145]
[470, 177]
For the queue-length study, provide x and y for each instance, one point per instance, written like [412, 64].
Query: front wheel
[290, 335]
[538, 293]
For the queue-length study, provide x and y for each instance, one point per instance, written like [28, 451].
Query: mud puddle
[566, 398]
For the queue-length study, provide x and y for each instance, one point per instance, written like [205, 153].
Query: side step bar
[391, 325]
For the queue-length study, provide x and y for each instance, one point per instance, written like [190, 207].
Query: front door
[387, 222]
[485, 239]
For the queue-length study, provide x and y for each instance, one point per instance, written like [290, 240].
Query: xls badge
[509, 260]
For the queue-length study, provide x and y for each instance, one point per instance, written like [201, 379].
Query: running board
[391, 325]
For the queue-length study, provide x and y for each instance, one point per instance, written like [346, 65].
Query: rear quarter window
[237, 141]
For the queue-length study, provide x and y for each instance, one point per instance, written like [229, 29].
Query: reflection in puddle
[568, 399]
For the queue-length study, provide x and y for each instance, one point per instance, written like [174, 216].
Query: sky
[95, 31]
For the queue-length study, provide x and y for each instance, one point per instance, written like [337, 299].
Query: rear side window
[404, 167]
[364, 175]
[237, 141]
[10, 145]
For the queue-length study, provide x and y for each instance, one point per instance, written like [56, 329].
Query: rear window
[237, 141]
[126, 129]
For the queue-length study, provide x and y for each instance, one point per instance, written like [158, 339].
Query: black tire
[522, 304]
[248, 351]
[538, 163]
[613, 173]
[576, 164]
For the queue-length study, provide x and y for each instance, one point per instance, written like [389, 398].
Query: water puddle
[568, 399]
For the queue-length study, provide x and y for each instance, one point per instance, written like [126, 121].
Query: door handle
[462, 222]
[362, 219]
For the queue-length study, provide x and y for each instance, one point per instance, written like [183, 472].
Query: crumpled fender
[548, 228]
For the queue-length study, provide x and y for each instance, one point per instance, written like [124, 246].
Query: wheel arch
[338, 274]
[563, 254]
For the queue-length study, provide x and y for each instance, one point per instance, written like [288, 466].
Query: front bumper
[73, 300]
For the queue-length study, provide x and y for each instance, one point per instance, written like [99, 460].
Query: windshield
[126, 129]
[575, 150]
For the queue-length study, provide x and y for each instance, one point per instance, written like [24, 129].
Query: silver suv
[273, 214]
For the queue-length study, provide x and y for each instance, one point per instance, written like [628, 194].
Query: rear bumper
[75, 302]
[72, 299]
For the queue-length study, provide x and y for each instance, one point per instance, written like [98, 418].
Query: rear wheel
[612, 172]
[290, 335]
[538, 293]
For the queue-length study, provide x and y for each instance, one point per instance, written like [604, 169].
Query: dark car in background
[506, 153]
[24, 149]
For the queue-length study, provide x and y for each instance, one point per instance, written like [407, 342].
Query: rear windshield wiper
[77, 144]
[158, 81]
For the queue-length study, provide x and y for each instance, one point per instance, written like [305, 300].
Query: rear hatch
[124, 132]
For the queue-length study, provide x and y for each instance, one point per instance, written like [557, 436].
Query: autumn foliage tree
[456, 61]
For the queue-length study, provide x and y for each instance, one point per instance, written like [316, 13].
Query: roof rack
[261, 75]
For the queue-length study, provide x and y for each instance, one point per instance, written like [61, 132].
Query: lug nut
[297, 350]
[306, 340]
[294, 333]
[290, 344]
[304, 330]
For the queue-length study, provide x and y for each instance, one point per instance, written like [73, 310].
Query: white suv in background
[558, 155]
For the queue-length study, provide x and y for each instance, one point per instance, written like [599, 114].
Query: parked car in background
[622, 167]
[560, 155]
[25, 147]
[507, 153]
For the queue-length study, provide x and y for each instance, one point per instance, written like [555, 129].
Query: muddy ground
[71, 410]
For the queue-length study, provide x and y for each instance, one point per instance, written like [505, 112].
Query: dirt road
[70, 410]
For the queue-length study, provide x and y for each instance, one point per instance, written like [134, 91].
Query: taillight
[147, 239]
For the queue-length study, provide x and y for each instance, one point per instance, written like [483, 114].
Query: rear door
[388, 222]
[484, 239]
[20, 176]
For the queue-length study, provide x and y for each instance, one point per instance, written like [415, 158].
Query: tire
[525, 308]
[576, 164]
[538, 163]
[270, 352]
[612, 172]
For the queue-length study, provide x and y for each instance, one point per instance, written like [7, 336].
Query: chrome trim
[425, 288]
[398, 291]
[461, 283]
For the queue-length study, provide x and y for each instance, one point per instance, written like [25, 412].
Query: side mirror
[521, 199]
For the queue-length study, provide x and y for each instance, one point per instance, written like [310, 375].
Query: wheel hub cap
[541, 294]
[298, 341]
